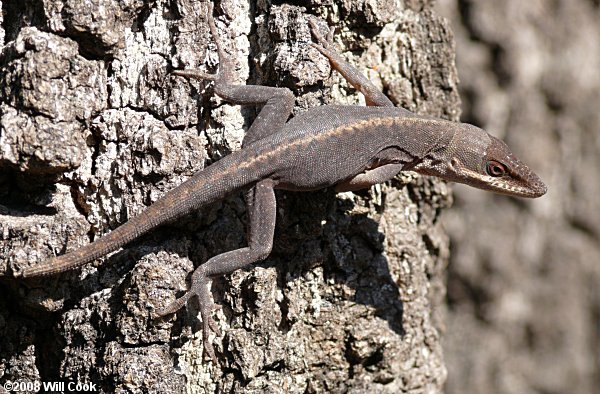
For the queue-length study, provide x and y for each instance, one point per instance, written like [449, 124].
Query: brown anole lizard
[349, 147]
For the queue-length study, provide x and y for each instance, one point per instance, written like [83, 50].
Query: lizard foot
[323, 44]
[199, 288]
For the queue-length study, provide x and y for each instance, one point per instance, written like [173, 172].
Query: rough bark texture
[524, 276]
[93, 129]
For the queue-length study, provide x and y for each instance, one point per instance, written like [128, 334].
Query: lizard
[346, 147]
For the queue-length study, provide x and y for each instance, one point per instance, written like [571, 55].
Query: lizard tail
[209, 185]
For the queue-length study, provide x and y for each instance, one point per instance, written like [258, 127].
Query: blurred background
[524, 277]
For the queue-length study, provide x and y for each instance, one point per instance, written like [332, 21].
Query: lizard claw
[199, 288]
[325, 46]
[327, 42]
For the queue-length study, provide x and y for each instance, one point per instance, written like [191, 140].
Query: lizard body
[348, 147]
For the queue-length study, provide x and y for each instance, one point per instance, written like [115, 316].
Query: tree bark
[94, 129]
[523, 279]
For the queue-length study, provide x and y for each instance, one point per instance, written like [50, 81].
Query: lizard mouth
[533, 190]
[529, 186]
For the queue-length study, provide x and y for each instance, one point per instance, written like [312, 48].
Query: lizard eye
[495, 169]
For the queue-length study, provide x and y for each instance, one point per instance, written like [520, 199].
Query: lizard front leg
[369, 178]
[386, 164]
[373, 96]
[261, 213]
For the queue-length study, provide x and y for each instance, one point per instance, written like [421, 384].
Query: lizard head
[478, 159]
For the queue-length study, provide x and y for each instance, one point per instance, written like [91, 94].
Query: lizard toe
[175, 305]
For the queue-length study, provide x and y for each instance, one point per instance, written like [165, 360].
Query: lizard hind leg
[262, 205]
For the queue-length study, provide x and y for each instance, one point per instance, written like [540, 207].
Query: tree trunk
[94, 129]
